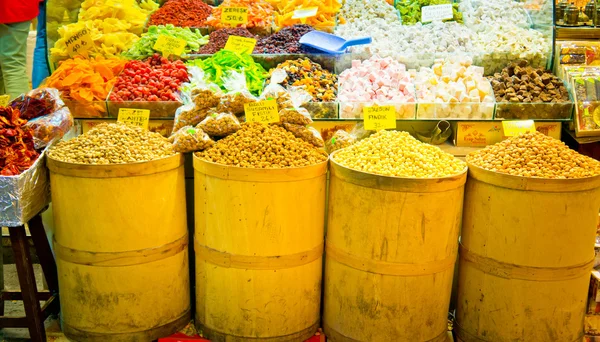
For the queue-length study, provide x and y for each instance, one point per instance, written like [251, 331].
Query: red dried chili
[39, 103]
[17, 152]
[182, 13]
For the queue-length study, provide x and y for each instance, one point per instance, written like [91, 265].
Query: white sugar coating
[377, 11]
[494, 12]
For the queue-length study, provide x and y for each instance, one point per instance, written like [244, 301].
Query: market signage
[436, 12]
[234, 15]
[79, 43]
[169, 45]
[134, 117]
[379, 117]
[240, 44]
[515, 128]
[263, 111]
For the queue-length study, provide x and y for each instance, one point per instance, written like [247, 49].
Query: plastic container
[259, 247]
[536, 110]
[86, 110]
[527, 249]
[121, 246]
[390, 255]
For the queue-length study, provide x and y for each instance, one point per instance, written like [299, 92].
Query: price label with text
[234, 15]
[305, 13]
[436, 12]
[4, 99]
[262, 111]
[134, 117]
[379, 117]
[240, 44]
[515, 128]
[170, 45]
[79, 43]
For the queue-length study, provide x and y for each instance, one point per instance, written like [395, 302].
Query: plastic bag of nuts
[220, 124]
[340, 139]
[190, 139]
[237, 94]
[188, 115]
[307, 134]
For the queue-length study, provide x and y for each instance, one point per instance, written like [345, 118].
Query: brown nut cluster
[257, 145]
[295, 116]
[535, 155]
[234, 102]
[308, 134]
[203, 99]
[190, 139]
[113, 143]
[219, 124]
[340, 139]
[519, 82]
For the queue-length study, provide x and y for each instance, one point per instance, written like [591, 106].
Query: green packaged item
[410, 10]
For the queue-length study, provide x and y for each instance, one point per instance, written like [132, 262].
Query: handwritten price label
[240, 44]
[436, 12]
[305, 13]
[4, 99]
[379, 117]
[263, 111]
[515, 128]
[79, 43]
[234, 15]
[170, 45]
[134, 117]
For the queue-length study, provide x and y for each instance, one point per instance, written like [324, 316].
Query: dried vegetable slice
[17, 152]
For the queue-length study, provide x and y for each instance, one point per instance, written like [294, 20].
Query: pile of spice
[535, 155]
[217, 39]
[318, 82]
[262, 146]
[287, 40]
[145, 46]
[113, 143]
[182, 13]
[155, 79]
[325, 17]
[260, 15]
[398, 154]
[216, 68]
[17, 151]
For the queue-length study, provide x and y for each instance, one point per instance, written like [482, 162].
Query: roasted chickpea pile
[257, 145]
[113, 143]
[535, 155]
[398, 154]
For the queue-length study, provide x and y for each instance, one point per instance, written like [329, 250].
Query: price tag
[514, 128]
[4, 99]
[79, 43]
[240, 44]
[379, 117]
[305, 13]
[170, 45]
[436, 12]
[263, 111]
[134, 117]
[234, 15]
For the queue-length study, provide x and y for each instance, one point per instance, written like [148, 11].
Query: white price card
[436, 12]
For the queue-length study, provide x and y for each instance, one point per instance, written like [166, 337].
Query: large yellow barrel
[259, 246]
[390, 253]
[527, 248]
[121, 247]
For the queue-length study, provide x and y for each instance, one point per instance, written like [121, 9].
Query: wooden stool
[34, 314]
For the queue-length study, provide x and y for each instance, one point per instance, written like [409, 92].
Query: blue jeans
[41, 67]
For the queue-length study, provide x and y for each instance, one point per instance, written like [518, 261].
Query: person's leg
[13, 57]
[41, 69]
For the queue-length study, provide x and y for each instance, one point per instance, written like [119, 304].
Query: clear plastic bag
[340, 139]
[51, 127]
[220, 124]
[198, 96]
[307, 134]
[190, 139]
[38, 102]
[237, 94]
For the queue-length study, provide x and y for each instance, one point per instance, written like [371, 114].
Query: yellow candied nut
[398, 154]
[535, 155]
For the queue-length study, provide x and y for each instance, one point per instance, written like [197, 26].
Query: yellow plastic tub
[527, 249]
[390, 253]
[121, 247]
[259, 246]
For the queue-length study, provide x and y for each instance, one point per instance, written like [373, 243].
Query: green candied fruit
[410, 10]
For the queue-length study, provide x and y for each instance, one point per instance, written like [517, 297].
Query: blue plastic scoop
[330, 43]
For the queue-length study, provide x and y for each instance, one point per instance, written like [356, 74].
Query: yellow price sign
[379, 117]
[234, 15]
[79, 43]
[134, 117]
[304, 13]
[515, 128]
[240, 44]
[170, 45]
[4, 99]
[262, 111]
